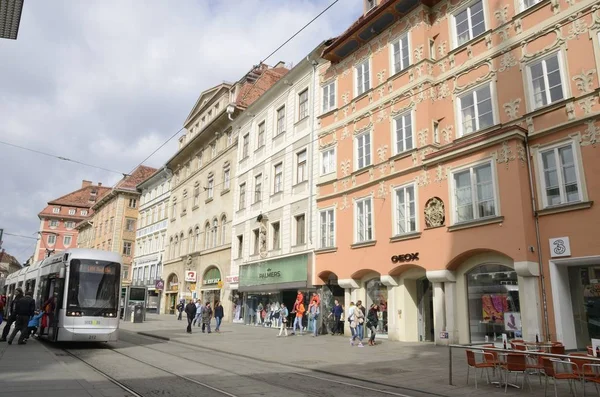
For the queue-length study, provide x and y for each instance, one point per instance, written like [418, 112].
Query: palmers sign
[405, 258]
[269, 273]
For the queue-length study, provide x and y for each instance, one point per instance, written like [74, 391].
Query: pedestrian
[299, 311]
[180, 308]
[259, 314]
[207, 314]
[24, 309]
[219, 314]
[283, 314]
[336, 312]
[313, 315]
[190, 310]
[34, 324]
[352, 323]
[198, 319]
[372, 322]
[12, 316]
[359, 320]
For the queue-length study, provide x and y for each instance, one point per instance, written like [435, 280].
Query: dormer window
[369, 5]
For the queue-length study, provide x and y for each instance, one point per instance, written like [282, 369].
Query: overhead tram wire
[20, 236]
[60, 157]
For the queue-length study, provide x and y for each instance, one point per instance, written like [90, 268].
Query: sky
[107, 82]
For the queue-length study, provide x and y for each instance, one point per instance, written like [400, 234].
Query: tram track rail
[132, 390]
[312, 373]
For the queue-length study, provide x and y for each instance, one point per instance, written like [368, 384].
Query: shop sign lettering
[269, 274]
[405, 258]
[212, 281]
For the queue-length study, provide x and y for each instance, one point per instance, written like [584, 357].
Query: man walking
[336, 312]
[219, 314]
[198, 313]
[206, 317]
[12, 315]
[299, 310]
[180, 308]
[190, 310]
[24, 309]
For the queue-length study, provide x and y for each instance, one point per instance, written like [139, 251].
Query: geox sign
[405, 258]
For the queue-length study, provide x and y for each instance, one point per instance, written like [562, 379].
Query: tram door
[56, 289]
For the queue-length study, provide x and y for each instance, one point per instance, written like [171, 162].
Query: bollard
[449, 364]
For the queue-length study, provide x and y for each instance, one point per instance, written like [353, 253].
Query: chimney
[85, 183]
[280, 64]
[99, 184]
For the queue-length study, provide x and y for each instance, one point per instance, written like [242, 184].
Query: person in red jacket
[299, 310]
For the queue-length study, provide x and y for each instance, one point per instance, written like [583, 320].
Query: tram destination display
[98, 269]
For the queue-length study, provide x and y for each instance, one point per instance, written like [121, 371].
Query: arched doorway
[171, 292]
[493, 303]
[329, 293]
[211, 293]
[377, 292]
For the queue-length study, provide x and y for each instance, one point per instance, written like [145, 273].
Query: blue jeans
[314, 326]
[298, 322]
[218, 321]
[358, 333]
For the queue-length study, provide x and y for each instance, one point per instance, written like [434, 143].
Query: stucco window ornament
[555, 5]
[522, 153]
[443, 91]
[441, 173]
[345, 133]
[390, 86]
[423, 179]
[411, 75]
[470, 51]
[518, 24]
[345, 97]
[371, 176]
[335, 116]
[354, 180]
[488, 41]
[381, 190]
[443, 65]
[262, 245]
[371, 97]
[432, 93]
[585, 81]
[383, 168]
[415, 158]
[512, 108]
[353, 106]
[504, 155]
[530, 125]
[452, 61]
[335, 187]
[346, 110]
[570, 108]
[382, 152]
[430, 69]
[507, 61]
[423, 134]
[419, 70]
[501, 14]
[418, 53]
[382, 114]
[592, 133]
[487, 76]
[344, 204]
[578, 26]
[504, 34]
[447, 134]
[558, 41]
[435, 214]
[381, 76]
[345, 183]
[392, 166]
[345, 166]
[381, 91]
[421, 91]
[587, 104]
[442, 48]
[424, 152]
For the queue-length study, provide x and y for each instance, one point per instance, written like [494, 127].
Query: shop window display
[377, 293]
[494, 308]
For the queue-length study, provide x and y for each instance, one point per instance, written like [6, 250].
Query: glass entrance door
[425, 309]
[585, 298]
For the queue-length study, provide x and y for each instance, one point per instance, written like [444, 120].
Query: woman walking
[283, 315]
[372, 321]
[219, 314]
[359, 320]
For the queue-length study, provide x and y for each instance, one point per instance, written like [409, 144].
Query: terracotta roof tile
[5, 257]
[80, 198]
[139, 175]
[252, 90]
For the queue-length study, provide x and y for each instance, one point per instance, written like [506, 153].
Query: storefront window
[377, 293]
[494, 309]
[585, 297]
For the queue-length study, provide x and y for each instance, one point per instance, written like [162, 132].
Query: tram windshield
[93, 286]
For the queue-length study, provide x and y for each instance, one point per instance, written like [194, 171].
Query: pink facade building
[59, 218]
[459, 167]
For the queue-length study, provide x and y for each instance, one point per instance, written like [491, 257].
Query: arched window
[223, 230]
[170, 248]
[190, 242]
[181, 245]
[215, 229]
[207, 236]
[176, 247]
[197, 242]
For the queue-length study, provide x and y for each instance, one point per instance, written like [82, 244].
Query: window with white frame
[210, 189]
[327, 228]
[469, 23]
[229, 138]
[56, 210]
[280, 120]
[214, 232]
[71, 212]
[476, 110]
[67, 240]
[223, 230]
[545, 81]
[258, 188]
[226, 178]
[51, 239]
[53, 223]
[301, 166]
[240, 245]
[130, 225]
[525, 4]
[84, 212]
[329, 97]
[196, 196]
[401, 53]
[213, 150]
[363, 150]
[403, 134]
[328, 161]
[364, 220]
[300, 229]
[278, 180]
[242, 203]
[245, 145]
[474, 193]
[174, 209]
[406, 217]
[363, 82]
[69, 224]
[199, 161]
[560, 181]
[303, 104]
[276, 230]
[261, 135]
[127, 248]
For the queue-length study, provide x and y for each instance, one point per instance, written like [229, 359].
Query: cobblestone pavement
[416, 367]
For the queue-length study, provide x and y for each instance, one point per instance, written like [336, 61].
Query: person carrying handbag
[283, 313]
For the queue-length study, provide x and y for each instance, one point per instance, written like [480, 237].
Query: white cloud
[106, 82]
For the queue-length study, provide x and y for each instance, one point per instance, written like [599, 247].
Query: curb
[153, 336]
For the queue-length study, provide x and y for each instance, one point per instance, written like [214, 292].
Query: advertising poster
[512, 321]
[494, 307]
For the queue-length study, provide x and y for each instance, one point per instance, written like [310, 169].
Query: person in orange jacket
[299, 310]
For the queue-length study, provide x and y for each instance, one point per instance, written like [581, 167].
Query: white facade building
[273, 228]
[151, 235]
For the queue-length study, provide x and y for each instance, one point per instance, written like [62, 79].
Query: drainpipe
[538, 241]
[310, 150]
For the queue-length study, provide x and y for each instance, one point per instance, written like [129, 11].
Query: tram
[82, 288]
